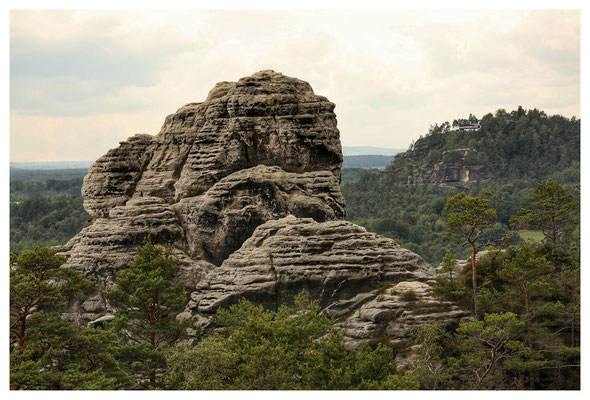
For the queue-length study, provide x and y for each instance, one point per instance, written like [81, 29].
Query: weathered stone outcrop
[263, 119]
[218, 222]
[255, 150]
[394, 313]
[110, 244]
[339, 263]
[427, 164]
[245, 187]
[111, 180]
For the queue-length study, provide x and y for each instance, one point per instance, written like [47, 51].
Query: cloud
[80, 73]
[93, 78]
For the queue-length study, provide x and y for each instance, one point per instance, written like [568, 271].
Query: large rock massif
[245, 186]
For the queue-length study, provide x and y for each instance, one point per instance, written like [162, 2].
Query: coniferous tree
[46, 351]
[146, 302]
[554, 213]
[468, 216]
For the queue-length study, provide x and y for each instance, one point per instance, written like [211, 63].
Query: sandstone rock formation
[264, 119]
[427, 164]
[335, 261]
[257, 149]
[344, 268]
[218, 222]
[393, 313]
[245, 187]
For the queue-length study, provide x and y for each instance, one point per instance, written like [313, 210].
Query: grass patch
[534, 236]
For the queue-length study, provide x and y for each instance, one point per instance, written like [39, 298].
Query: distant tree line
[45, 208]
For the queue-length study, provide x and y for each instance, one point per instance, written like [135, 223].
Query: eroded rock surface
[110, 244]
[427, 164]
[245, 187]
[337, 262]
[218, 222]
[257, 149]
[263, 119]
[395, 312]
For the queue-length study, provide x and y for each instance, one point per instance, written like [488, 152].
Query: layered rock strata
[344, 268]
[263, 119]
[218, 222]
[255, 150]
[395, 312]
[245, 187]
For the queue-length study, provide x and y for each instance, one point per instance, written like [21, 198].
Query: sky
[82, 81]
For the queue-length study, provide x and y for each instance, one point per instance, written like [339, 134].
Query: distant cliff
[522, 144]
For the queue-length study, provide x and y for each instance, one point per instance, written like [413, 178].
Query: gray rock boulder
[394, 312]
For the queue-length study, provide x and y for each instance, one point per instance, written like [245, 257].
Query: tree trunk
[474, 279]
[529, 322]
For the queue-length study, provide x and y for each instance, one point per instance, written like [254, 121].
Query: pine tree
[146, 302]
[468, 216]
[46, 351]
[554, 214]
[526, 275]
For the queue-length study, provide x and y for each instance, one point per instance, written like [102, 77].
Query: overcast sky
[83, 81]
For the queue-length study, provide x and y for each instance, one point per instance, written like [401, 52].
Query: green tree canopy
[555, 211]
[146, 302]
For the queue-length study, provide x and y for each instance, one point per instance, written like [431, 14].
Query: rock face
[344, 268]
[245, 187]
[218, 222]
[428, 164]
[335, 261]
[264, 119]
[109, 244]
[257, 149]
[395, 312]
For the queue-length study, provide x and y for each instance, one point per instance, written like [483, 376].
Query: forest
[45, 207]
[524, 332]
[507, 251]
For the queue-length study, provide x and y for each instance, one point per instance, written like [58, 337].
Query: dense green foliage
[45, 208]
[45, 222]
[529, 334]
[294, 348]
[146, 302]
[415, 216]
[555, 214]
[46, 351]
[523, 144]
[33, 184]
